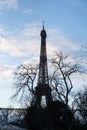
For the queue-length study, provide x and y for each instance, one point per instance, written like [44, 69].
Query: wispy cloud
[26, 43]
[4, 32]
[68, 44]
[8, 4]
[6, 71]
[30, 29]
[61, 42]
[8, 47]
[31, 11]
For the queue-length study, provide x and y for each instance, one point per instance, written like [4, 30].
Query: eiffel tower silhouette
[43, 88]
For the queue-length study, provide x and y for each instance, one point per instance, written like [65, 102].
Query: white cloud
[68, 44]
[61, 42]
[4, 31]
[6, 71]
[31, 11]
[26, 42]
[55, 39]
[8, 4]
[51, 49]
[80, 81]
[33, 60]
[31, 29]
[8, 47]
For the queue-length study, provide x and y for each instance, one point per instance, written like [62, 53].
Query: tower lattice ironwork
[43, 88]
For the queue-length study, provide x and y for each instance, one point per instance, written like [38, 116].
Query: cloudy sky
[20, 26]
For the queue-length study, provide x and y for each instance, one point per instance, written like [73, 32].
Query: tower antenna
[43, 25]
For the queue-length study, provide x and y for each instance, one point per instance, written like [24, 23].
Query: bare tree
[63, 70]
[25, 76]
[80, 105]
[61, 78]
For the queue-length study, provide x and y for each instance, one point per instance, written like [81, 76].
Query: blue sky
[20, 26]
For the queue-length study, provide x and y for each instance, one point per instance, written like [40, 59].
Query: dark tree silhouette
[53, 117]
[57, 114]
[25, 76]
[80, 104]
[61, 81]
[61, 78]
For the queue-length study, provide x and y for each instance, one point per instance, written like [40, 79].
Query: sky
[21, 21]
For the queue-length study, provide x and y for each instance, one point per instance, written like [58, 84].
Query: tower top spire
[43, 25]
[43, 32]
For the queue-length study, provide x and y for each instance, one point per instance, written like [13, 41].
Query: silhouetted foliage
[57, 115]
[81, 105]
[53, 117]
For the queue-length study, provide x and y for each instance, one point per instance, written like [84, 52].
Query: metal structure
[43, 88]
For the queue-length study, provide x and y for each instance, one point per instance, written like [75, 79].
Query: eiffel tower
[43, 88]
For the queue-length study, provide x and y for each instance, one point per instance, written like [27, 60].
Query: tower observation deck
[43, 88]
